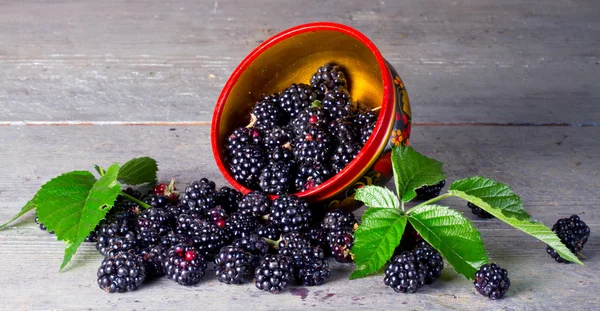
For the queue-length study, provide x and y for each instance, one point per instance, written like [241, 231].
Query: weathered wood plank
[466, 61]
[555, 170]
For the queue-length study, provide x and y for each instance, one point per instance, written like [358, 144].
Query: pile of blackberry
[299, 138]
[408, 271]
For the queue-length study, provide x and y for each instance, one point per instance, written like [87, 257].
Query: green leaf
[413, 170]
[138, 171]
[375, 240]
[73, 204]
[452, 235]
[29, 206]
[489, 194]
[375, 196]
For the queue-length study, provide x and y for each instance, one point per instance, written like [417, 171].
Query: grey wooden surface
[473, 69]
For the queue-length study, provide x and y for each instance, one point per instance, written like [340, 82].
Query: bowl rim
[360, 162]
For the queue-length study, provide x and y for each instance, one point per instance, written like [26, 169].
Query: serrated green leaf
[375, 240]
[452, 235]
[413, 170]
[489, 194]
[99, 169]
[375, 196]
[73, 204]
[28, 206]
[138, 171]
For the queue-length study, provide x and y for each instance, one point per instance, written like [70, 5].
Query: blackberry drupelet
[313, 146]
[289, 213]
[240, 225]
[200, 196]
[153, 258]
[267, 112]
[431, 259]
[340, 243]
[572, 232]
[328, 77]
[429, 192]
[404, 273]
[276, 178]
[255, 203]
[310, 175]
[184, 264]
[247, 163]
[152, 224]
[296, 98]
[492, 281]
[339, 219]
[274, 273]
[478, 211]
[120, 273]
[241, 137]
[337, 103]
[269, 231]
[312, 116]
[229, 199]
[233, 265]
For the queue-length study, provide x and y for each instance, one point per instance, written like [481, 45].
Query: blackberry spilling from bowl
[300, 137]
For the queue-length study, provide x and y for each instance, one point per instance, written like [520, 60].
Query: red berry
[313, 119]
[190, 255]
[220, 223]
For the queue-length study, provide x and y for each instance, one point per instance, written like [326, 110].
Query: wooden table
[505, 89]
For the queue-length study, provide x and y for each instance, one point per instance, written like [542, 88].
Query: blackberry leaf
[413, 170]
[375, 239]
[380, 197]
[452, 235]
[138, 171]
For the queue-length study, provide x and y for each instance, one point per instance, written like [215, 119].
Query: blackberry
[267, 113]
[274, 273]
[269, 231]
[404, 273]
[313, 146]
[241, 137]
[184, 264]
[276, 178]
[429, 192]
[153, 258]
[283, 154]
[365, 117]
[572, 232]
[246, 165]
[152, 225]
[296, 98]
[218, 215]
[118, 244]
[157, 201]
[343, 131]
[240, 225]
[167, 190]
[253, 244]
[338, 104]
[229, 198]
[366, 132]
[431, 259]
[233, 265]
[255, 203]
[116, 236]
[277, 137]
[328, 77]
[120, 273]
[340, 243]
[173, 238]
[206, 235]
[289, 213]
[312, 269]
[343, 154]
[339, 219]
[316, 237]
[200, 196]
[479, 211]
[492, 281]
[310, 175]
[291, 244]
[313, 116]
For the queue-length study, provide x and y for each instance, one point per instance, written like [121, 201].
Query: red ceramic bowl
[291, 57]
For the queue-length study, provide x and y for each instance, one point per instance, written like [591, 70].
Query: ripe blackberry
[229, 198]
[152, 224]
[276, 178]
[120, 273]
[312, 269]
[492, 281]
[118, 244]
[339, 219]
[338, 104]
[479, 211]
[312, 116]
[116, 236]
[255, 203]
[296, 98]
[200, 196]
[317, 237]
[233, 265]
[269, 231]
[274, 273]
[340, 243]
[157, 201]
[572, 232]
[240, 225]
[328, 77]
[290, 214]
[173, 238]
[217, 215]
[209, 237]
[277, 137]
[365, 117]
[404, 273]
[310, 175]
[246, 165]
[153, 258]
[431, 259]
[314, 146]
[343, 154]
[184, 264]
[267, 112]
[291, 244]
[343, 131]
[241, 137]
[283, 154]
[253, 244]
[366, 132]
[167, 190]
[429, 192]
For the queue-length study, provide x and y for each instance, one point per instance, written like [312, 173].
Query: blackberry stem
[134, 200]
[443, 196]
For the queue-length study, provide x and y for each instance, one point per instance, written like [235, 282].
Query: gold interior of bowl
[294, 60]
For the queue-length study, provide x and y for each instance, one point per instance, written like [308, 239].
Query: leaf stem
[402, 205]
[132, 199]
[443, 196]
